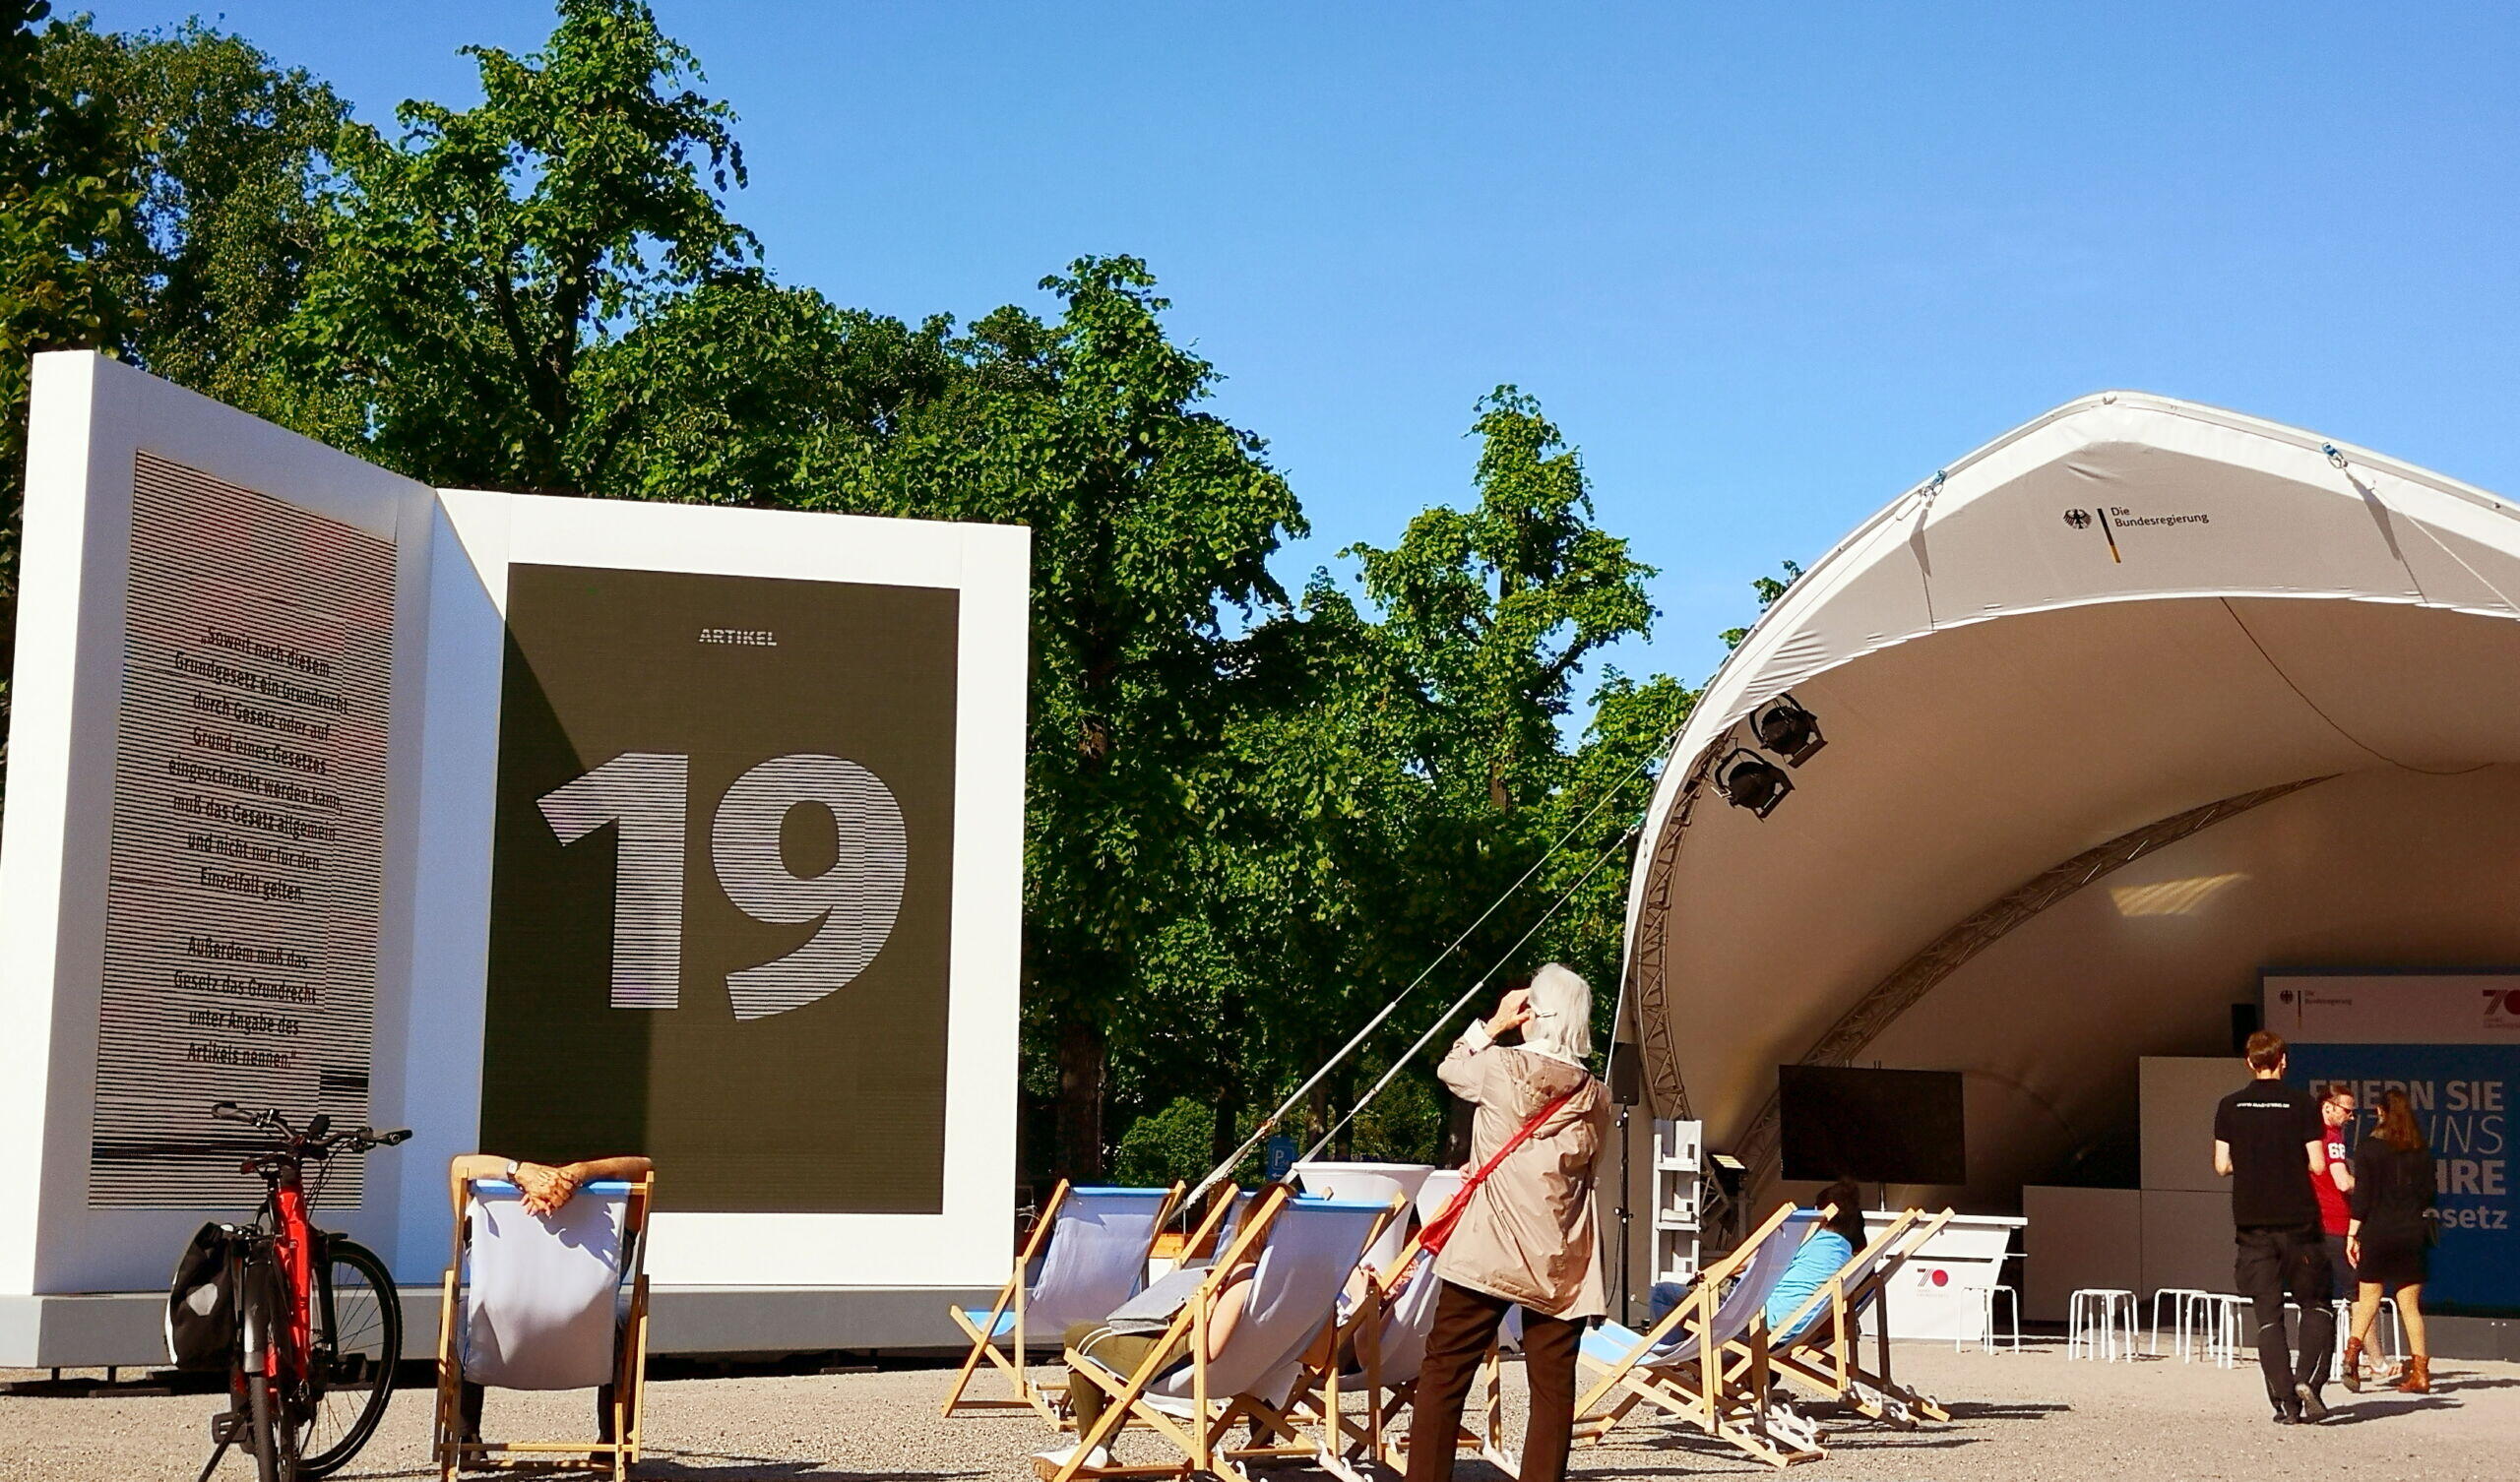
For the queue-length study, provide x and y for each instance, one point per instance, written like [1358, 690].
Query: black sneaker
[2313, 1408]
[2285, 1414]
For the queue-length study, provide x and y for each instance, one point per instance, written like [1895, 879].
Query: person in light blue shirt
[1823, 1254]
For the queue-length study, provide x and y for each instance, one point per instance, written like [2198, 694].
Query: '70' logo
[855, 901]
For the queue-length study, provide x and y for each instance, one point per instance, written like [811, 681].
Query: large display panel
[2451, 1041]
[248, 834]
[723, 882]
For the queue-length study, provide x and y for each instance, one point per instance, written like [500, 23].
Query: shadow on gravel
[697, 1466]
[1972, 1409]
[2362, 1412]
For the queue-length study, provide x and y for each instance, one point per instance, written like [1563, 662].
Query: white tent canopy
[2123, 707]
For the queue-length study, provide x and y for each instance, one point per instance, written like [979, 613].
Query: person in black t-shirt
[2270, 1142]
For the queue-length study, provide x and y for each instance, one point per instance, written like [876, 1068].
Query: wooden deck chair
[1824, 1354]
[1303, 1249]
[538, 1302]
[1085, 1255]
[1685, 1364]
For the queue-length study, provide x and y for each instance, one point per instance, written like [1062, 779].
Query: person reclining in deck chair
[1818, 1259]
[1123, 1342]
[546, 1187]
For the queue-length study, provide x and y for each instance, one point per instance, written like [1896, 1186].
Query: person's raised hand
[546, 1189]
[1513, 1011]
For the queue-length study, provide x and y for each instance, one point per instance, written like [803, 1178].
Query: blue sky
[1768, 266]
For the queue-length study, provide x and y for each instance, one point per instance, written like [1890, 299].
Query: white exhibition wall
[917, 1182]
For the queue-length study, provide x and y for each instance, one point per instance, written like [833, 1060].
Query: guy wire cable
[1475, 989]
[1269, 1123]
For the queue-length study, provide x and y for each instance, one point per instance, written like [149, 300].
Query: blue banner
[2463, 1096]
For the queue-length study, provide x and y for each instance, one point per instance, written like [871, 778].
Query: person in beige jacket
[1525, 1239]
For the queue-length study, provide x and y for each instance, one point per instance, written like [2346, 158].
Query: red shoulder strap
[1440, 1228]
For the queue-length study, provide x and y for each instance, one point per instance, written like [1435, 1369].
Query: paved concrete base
[95, 1330]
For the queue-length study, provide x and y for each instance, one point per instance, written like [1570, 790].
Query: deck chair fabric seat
[1294, 1291]
[1096, 1256]
[545, 1312]
[546, 1302]
[1087, 1254]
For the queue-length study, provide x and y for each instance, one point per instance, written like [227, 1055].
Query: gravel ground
[2030, 1415]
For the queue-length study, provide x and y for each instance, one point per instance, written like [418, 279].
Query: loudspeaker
[2245, 1021]
[1627, 1075]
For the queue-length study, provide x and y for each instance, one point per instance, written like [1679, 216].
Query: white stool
[2183, 1302]
[2231, 1318]
[2093, 1321]
[1987, 1319]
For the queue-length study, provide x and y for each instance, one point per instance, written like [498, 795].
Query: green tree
[1492, 613]
[233, 151]
[67, 193]
[474, 269]
[1150, 519]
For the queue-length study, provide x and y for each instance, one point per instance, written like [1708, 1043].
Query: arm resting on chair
[546, 1187]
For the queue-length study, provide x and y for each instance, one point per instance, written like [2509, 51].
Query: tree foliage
[67, 193]
[1255, 813]
[476, 267]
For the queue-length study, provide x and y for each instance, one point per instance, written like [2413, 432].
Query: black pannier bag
[201, 1304]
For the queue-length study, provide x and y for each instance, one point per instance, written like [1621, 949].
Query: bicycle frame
[283, 1254]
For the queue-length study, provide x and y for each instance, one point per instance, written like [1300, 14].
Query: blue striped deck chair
[1686, 1363]
[1086, 1254]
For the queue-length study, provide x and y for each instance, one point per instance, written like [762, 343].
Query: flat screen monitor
[1878, 1126]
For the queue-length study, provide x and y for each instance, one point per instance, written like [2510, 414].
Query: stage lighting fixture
[1749, 780]
[1786, 730]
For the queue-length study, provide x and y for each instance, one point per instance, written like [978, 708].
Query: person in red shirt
[2336, 1113]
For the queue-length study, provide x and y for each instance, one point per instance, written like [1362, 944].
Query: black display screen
[722, 893]
[1878, 1126]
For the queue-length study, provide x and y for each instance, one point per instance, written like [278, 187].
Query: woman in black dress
[2391, 1234]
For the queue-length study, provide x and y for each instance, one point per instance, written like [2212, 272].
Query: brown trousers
[1464, 1325]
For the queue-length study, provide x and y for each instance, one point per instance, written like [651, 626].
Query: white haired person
[1525, 1232]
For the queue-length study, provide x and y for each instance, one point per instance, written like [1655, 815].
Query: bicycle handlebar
[316, 1141]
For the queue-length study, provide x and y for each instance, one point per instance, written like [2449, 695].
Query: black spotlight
[1749, 780]
[1786, 730]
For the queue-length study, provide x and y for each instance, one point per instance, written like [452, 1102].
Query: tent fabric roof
[2129, 608]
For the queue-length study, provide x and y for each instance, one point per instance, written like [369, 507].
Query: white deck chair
[1373, 1185]
[1086, 1254]
[1682, 1366]
[1306, 1248]
[536, 1302]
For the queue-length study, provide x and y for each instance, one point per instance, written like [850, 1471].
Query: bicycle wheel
[270, 1446]
[358, 1339]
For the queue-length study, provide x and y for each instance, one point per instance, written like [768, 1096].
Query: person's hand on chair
[546, 1189]
[1513, 1011]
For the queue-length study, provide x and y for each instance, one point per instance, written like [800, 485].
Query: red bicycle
[318, 1326]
